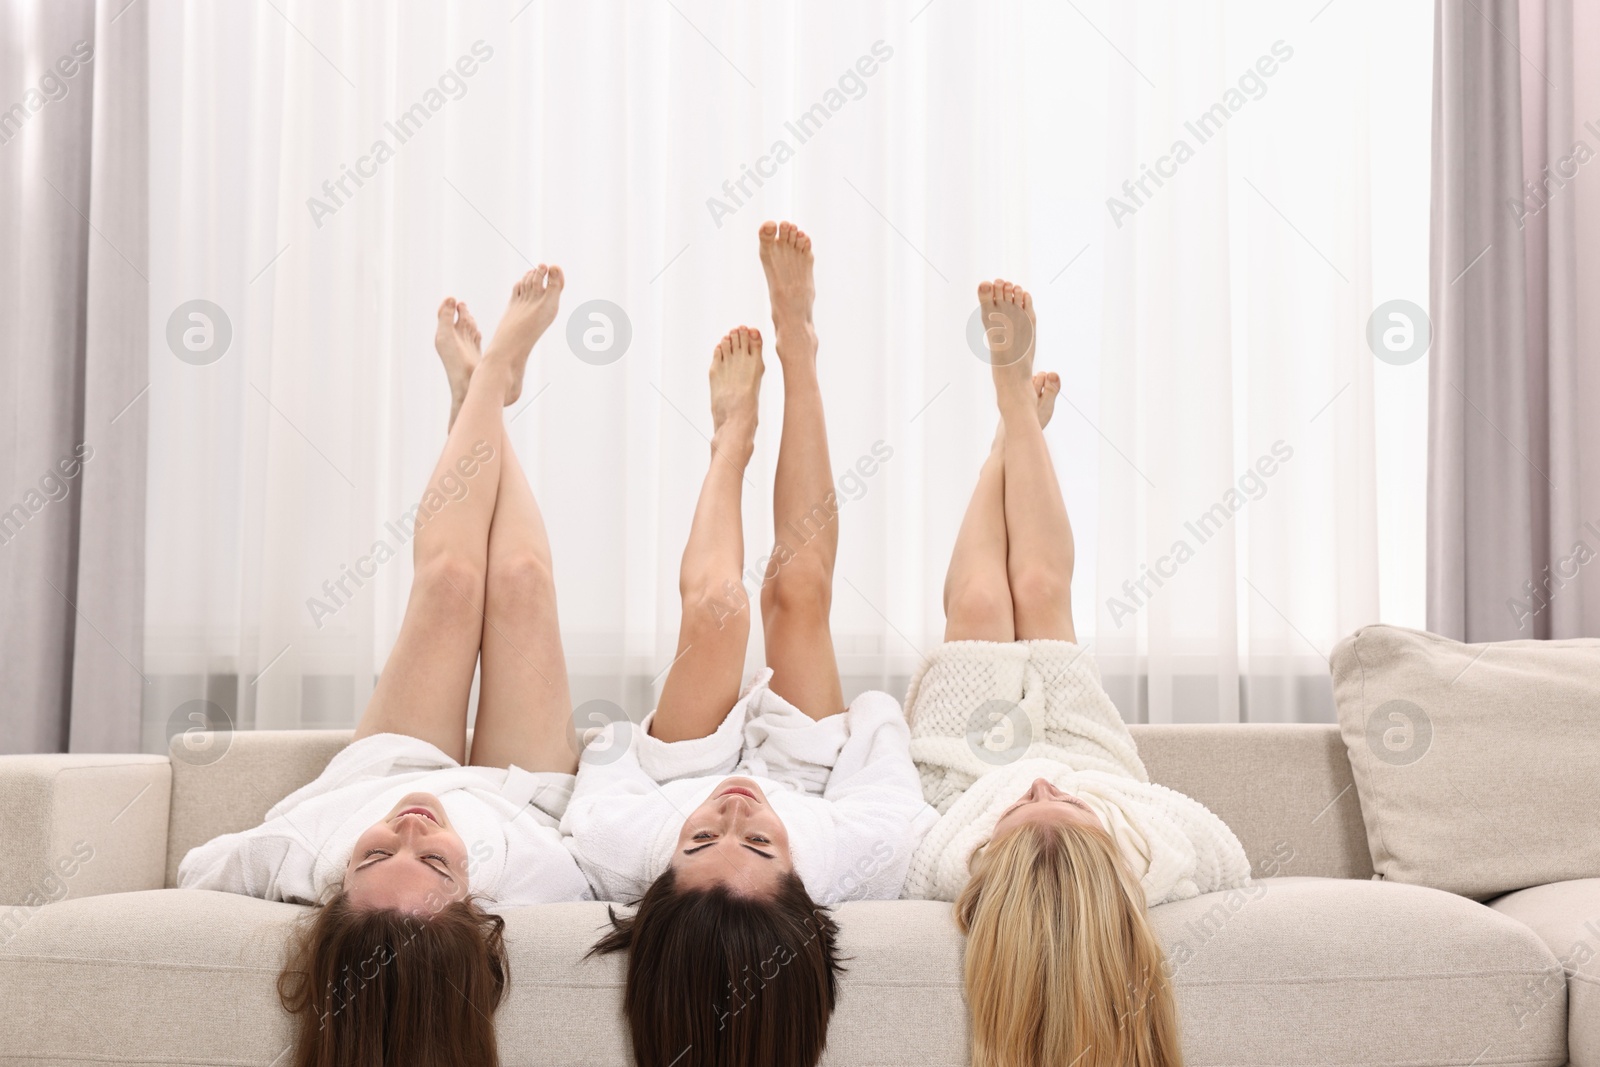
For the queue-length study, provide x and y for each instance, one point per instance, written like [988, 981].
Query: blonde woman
[1052, 842]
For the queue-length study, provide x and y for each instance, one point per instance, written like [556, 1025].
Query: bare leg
[1039, 563]
[797, 589]
[524, 700]
[977, 595]
[977, 589]
[704, 679]
[427, 680]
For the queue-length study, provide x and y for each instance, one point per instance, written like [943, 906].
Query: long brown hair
[1061, 964]
[716, 979]
[381, 988]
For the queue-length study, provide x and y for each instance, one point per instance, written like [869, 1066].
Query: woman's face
[1043, 802]
[411, 861]
[733, 839]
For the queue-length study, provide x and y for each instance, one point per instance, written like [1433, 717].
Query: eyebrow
[708, 844]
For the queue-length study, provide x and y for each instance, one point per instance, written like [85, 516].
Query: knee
[1036, 588]
[449, 585]
[709, 606]
[980, 607]
[520, 580]
[800, 588]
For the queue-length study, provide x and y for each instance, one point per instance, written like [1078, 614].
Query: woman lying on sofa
[405, 836]
[1051, 841]
[734, 819]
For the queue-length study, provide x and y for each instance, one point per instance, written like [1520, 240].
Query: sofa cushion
[1293, 971]
[79, 824]
[1566, 916]
[1475, 763]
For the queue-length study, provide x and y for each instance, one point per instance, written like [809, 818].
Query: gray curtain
[1514, 452]
[72, 367]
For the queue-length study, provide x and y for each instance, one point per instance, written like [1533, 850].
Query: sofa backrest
[1285, 789]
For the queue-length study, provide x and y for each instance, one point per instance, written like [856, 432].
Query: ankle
[734, 441]
[1018, 406]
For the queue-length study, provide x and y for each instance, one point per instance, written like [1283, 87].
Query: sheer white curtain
[923, 145]
[1276, 156]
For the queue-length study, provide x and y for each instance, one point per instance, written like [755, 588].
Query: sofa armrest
[82, 825]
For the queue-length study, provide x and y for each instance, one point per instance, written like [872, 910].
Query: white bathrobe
[988, 719]
[844, 787]
[507, 818]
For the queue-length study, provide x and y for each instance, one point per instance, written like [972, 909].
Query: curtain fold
[71, 521]
[1514, 461]
[107, 662]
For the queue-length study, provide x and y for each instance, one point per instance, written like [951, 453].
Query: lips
[739, 791]
[424, 812]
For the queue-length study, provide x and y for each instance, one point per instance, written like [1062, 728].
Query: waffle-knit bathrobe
[988, 718]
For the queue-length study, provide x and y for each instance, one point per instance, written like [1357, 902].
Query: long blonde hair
[1062, 967]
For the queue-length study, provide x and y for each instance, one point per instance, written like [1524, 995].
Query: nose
[1042, 789]
[412, 827]
[734, 812]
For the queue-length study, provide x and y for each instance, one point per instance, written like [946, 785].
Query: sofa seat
[1296, 970]
[1566, 916]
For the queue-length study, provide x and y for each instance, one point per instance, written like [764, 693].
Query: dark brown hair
[382, 988]
[721, 980]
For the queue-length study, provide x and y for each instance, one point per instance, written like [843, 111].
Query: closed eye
[368, 861]
[1074, 801]
[375, 856]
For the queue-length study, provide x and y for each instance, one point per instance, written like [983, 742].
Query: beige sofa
[1317, 964]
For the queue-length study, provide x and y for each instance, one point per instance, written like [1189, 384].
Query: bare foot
[534, 301]
[786, 259]
[1008, 322]
[736, 369]
[1046, 386]
[456, 339]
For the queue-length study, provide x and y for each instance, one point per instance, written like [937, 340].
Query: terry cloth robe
[988, 718]
[844, 787]
[508, 819]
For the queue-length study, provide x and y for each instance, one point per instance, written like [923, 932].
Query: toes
[556, 279]
[539, 274]
[985, 293]
[769, 231]
[1052, 384]
[447, 309]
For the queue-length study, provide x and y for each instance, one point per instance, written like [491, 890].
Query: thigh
[707, 672]
[799, 646]
[524, 699]
[425, 685]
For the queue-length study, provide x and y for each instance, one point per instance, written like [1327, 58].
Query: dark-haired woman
[734, 829]
[406, 837]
